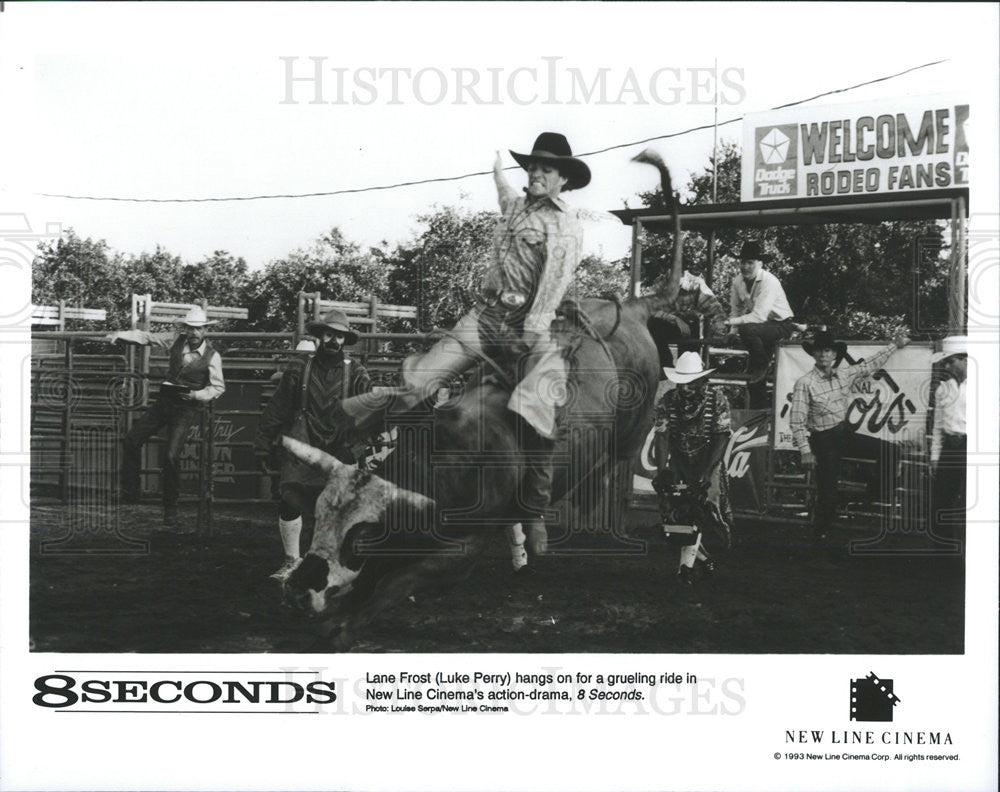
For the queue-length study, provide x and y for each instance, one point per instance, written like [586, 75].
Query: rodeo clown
[194, 378]
[305, 407]
[693, 428]
[536, 249]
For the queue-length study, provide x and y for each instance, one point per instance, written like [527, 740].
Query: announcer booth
[891, 160]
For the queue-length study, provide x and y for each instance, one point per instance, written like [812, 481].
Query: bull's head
[351, 510]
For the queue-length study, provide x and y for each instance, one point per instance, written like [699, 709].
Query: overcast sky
[171, 100]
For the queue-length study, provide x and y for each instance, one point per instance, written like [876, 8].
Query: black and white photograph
[487, 370]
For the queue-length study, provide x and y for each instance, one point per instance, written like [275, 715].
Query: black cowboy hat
[336, 322]
[824, 340]
[553, 147]
[753, 250]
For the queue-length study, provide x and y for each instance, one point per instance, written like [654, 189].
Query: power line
[440, 179]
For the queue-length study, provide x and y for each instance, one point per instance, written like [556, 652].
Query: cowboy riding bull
[550, 412]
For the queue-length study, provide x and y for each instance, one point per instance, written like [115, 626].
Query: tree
[157, 274]
[442, 269]
[83, 272]
[332, 266]
[221, 279]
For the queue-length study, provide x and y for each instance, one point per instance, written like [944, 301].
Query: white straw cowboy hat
[689, 368]
[952, 345]
[196, 318]
[336, 322]
[553, 148]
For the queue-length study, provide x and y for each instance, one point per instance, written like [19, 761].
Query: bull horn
[311, 455]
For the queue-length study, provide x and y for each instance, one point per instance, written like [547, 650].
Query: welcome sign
[896, 145]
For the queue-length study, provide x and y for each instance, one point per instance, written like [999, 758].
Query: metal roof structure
[951, 204]
[922, 205]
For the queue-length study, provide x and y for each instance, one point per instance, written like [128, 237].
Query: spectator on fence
[306, 406]
[693, 428]
[194, 378]
[948, 440]
[760, 314]
[820, 400]
[695, 301]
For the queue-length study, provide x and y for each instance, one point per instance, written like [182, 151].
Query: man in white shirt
[948, 440]
[759, 312]
[194, 378]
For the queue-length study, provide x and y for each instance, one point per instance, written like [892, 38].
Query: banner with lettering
[745, 460]
[896, 145]
[891, 404]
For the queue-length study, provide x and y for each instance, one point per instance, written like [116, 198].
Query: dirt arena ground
[775, 592]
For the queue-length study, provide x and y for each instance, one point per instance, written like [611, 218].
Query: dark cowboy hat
[753, 250]
[824, 340]
[336, 322]
[553, 147]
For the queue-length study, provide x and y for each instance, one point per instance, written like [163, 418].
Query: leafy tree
[85, 273]
[157, 274]
[598, 277]
[332, 266]
[220, 278]
[442, 269]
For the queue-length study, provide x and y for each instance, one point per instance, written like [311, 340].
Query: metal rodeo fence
[85, 397]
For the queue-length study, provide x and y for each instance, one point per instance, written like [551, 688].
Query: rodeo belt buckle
[510, 299]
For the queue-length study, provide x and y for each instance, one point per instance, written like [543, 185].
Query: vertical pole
[957, 276]
[62, 316]
[710, 264]
[210, 472]
[636, 274]
[201, 472]
[373, 312]
[300, 321]
[67, 423]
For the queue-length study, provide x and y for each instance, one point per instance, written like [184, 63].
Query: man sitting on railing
[695, 301]
[760, 314]
[194, 378]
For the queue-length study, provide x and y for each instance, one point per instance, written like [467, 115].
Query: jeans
[948, 490]
[178, 417]
[760, 341]
[828, 448]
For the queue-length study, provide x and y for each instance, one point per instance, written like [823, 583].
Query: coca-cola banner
[745, 460]
[891, 404]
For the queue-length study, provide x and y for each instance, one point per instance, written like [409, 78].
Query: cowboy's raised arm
[142, 338]
[505, 193]
[868, 367]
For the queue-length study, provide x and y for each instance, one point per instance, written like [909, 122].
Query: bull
[454, 480]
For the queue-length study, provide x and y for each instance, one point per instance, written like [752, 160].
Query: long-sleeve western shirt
[820, 402]
[216, 384]
[536, 250]
[763, 301]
